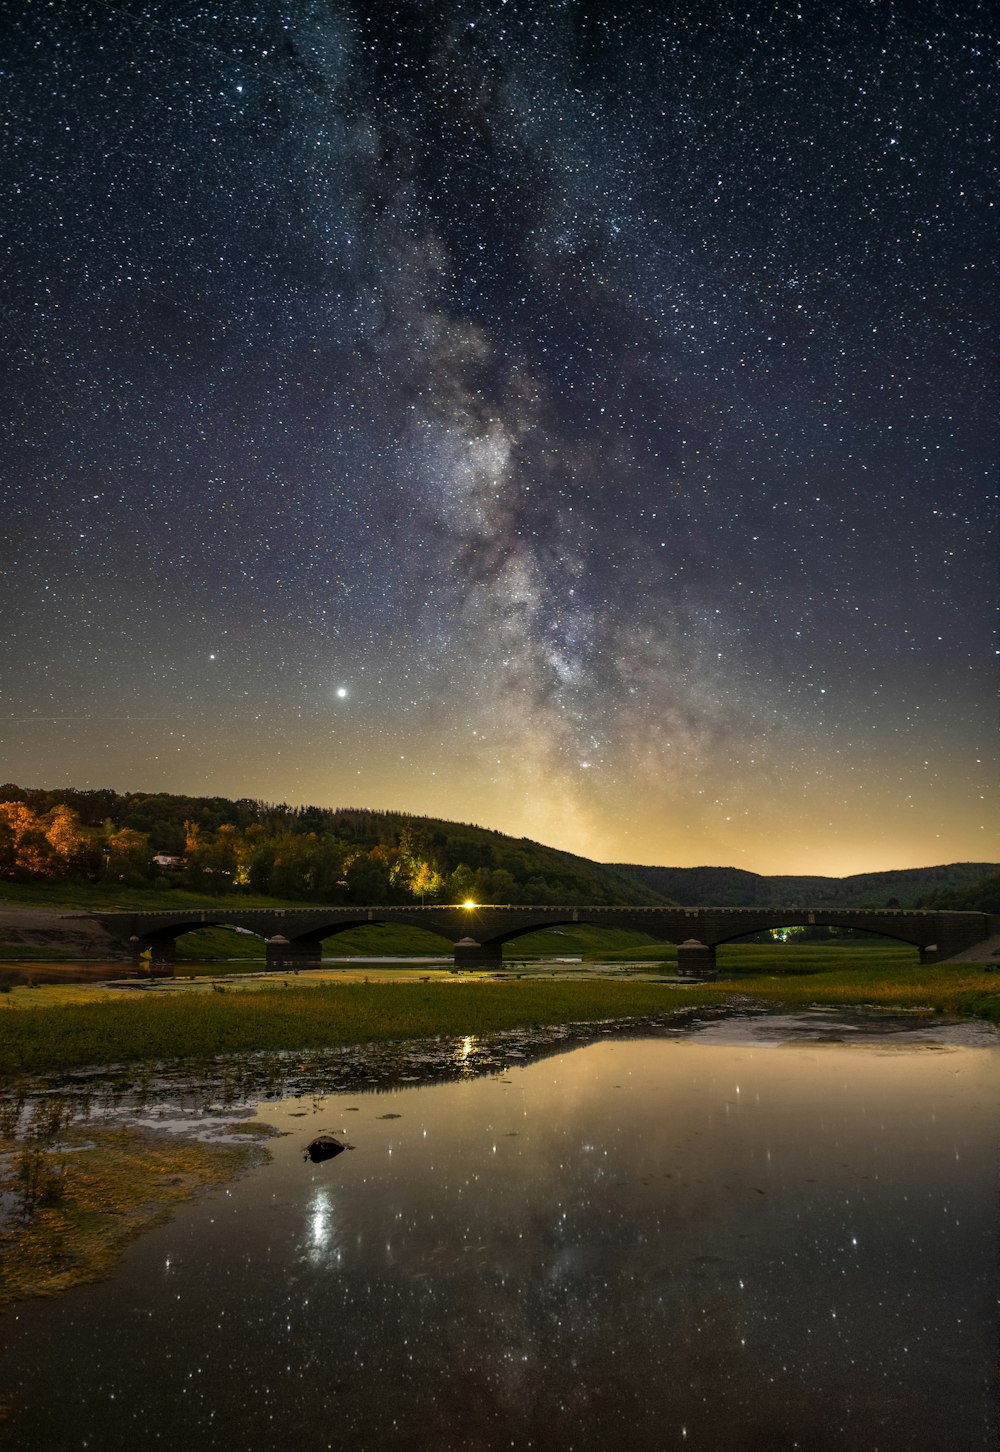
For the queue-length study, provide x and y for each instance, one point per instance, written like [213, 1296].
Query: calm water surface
[763, 1234]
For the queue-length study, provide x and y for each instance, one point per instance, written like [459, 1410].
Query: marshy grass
[961, 990]
[79, 1204]
[148, 1027]
[58, 1029]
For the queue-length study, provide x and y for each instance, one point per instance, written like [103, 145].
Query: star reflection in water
[756, 1242]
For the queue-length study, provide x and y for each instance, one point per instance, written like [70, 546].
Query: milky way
[577, 419]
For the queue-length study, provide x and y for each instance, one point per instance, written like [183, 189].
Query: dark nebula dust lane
[573, 418]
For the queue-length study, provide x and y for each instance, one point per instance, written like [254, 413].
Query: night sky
[577, 419]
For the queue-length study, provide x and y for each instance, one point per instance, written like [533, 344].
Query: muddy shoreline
[68, 933]
[92, 1158]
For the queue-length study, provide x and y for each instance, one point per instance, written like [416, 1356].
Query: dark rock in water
[324, 1147]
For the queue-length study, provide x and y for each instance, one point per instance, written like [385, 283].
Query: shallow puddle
[760, 1233]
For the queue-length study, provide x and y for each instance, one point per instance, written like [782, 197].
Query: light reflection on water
[748, 1237]
[322, 1245]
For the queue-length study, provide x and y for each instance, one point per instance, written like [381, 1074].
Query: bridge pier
[282, 956]
[696, 959]
[470, 954]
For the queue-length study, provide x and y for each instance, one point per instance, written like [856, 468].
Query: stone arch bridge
[293, 936]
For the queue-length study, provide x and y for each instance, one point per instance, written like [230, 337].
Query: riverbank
[51, 1028]
[30, 932]
[80, 1193]
[90, 1160]
[114, 1027]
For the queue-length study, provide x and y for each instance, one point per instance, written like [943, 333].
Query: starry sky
[574, 418]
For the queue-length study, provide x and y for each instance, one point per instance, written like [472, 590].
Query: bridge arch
[914, 938]
[160, 942]
[576, 918]
[479, 932]
[335, 925]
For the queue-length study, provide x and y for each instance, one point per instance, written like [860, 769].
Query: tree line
[979, 897]
[350, 855]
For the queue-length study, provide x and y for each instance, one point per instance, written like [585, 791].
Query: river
[751, 1233]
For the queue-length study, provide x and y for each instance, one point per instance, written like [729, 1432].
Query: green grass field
[782, 959]
[394, 940]
[592, 944]
[215, 945]
[110, 897]
[579, 940]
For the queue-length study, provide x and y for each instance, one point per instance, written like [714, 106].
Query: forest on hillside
[312, 854]
[982, 896]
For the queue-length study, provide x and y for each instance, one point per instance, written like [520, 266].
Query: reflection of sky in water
[688, 1242]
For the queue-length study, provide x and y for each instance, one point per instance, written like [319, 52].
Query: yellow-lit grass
[959, 990]
[54, 995]
[112, 1186]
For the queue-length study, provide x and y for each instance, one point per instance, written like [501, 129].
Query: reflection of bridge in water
[293, 936]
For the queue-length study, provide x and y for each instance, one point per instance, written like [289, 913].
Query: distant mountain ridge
[734, 887]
